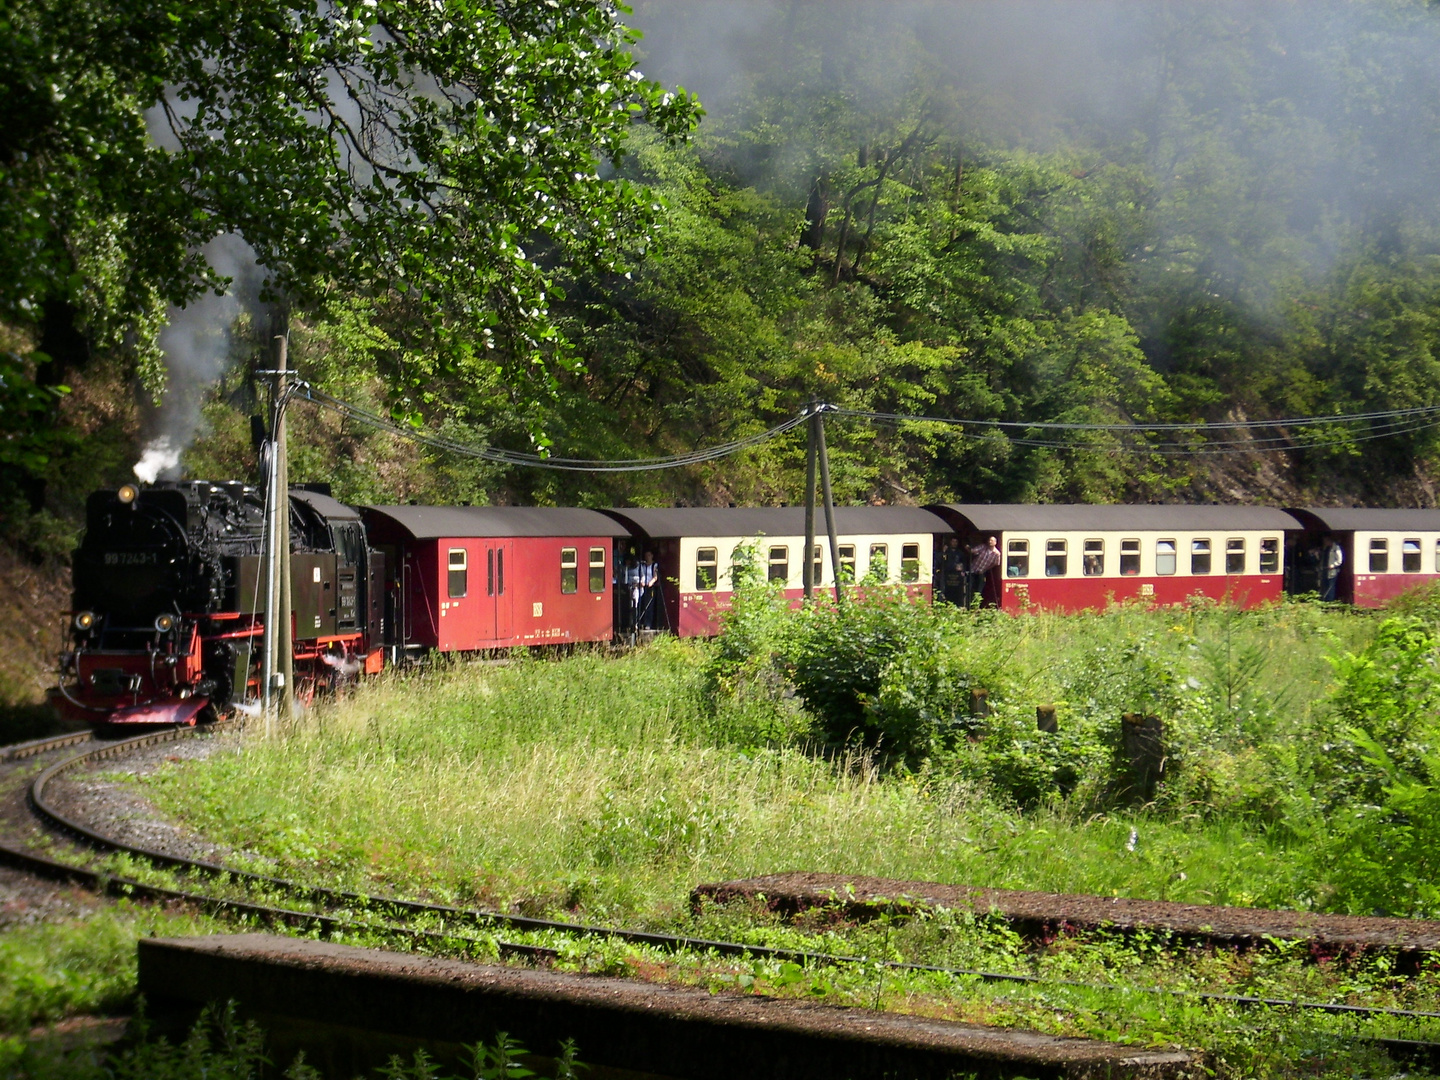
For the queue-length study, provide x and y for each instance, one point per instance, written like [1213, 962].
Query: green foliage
[885, 671]
[307, 131]
[1386, 697]
[50, 971]
[221, 1047]
[1384, 857]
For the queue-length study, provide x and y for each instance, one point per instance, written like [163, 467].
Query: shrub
[891, 672]
[1385, 858]
[1385, 697]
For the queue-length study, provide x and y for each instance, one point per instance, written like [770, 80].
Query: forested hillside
[1030, 211]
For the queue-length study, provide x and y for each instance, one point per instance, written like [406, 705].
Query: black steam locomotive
[169, 599]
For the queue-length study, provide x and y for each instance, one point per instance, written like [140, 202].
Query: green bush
[1385, 698]
[1385, 858]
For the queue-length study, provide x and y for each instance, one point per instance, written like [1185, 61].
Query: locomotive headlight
[164, 623]
[128, 494]
[85, 620]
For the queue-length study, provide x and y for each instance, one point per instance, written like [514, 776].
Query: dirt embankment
[33, 600]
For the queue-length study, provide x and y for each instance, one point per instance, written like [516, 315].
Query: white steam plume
[161, 456]
[197, 346]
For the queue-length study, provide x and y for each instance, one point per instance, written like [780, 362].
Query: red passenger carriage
[1385, 552]
[1083, 557]
[491, 577]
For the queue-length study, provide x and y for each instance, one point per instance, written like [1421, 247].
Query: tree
[404, 150]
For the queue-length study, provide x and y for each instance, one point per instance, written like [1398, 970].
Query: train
[168, 615]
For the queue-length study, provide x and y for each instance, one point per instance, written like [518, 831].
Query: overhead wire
[1263, 444]
[1382, 424]
[1197, 425]
[541, 461]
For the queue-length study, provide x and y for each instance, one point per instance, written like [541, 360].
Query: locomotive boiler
[169, 594]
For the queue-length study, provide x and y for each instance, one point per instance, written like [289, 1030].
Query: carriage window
[1437, 556]
[1199, 556]
[1129, 558]
[909, 562]
[879, 567]
[707, 562]
[1410, 556]
[490, 572]
[499, 571]
[1235, 555]
[1094, 562]
[597, 569]
[779, 564]
[1056, 558]
[569, 571]
[1017, 563]
[817, 564]
[1164, 556]
[1379, 556]
[1270, 555]
[459, 576]
[847, 562]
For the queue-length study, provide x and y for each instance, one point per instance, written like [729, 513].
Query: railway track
[273, 901]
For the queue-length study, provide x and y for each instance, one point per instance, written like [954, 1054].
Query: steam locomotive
[168, 601]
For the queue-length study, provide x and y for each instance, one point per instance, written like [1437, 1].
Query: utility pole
[285, 645]
[824, 458]
[277, 673]
[807, 575]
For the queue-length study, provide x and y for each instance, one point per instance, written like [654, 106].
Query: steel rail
[328, 924]
[35, 747]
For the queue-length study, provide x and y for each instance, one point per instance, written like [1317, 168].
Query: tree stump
[1045, 719]
[1142, 743]
[979, 701]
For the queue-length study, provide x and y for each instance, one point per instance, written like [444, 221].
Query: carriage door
[499, 588]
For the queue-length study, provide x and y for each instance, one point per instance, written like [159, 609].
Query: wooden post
[272, 591]
[1045, 719]
[284, 640]
[808, 574]
[824, 457]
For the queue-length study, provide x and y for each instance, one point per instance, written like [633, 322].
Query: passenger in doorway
[1331, 559]
[627, 585]
[648, 601]
[985, 570]
[953, 572]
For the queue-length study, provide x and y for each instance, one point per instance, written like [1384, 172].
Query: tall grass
[610, 787]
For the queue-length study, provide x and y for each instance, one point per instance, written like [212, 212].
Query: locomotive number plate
[131, 558]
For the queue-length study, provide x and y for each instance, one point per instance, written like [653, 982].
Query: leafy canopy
[422, 153]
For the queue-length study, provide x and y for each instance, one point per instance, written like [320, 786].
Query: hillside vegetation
[1034, 211]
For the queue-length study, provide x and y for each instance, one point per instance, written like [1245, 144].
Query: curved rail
[343, 900]
[35, 747]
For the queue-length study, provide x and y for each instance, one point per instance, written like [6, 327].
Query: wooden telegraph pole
[277, 669]
[285, 644]
[807, 575]
[817, 441]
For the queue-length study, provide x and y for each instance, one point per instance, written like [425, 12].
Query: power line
[1264, 444]
[1198, 426]
[307, 392]
[1382, 425]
